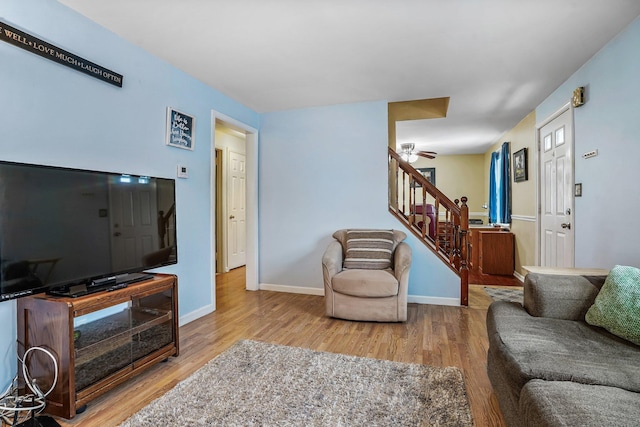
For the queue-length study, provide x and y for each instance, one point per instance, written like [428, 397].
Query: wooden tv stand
[100, 340]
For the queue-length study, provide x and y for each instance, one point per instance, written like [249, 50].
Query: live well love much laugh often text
[33, 44]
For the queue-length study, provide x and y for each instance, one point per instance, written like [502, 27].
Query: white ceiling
[496, 59]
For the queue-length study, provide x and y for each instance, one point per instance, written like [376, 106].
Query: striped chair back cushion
[369, 249]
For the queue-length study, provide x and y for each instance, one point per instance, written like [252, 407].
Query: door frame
[219, 204]
[566, 107]
[251, 194]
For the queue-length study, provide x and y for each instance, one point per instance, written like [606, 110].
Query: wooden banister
[411, 197]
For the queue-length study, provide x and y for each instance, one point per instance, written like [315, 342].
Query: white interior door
[133, 221]
[556, 195]
[236, 209]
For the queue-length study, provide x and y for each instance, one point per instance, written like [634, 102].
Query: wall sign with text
[46, 50]
[180, 129]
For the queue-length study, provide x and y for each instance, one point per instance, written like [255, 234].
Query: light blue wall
[606, 229]
[323, 169]
[51, 114]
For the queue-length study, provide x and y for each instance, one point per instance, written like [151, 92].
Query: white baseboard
[196, 314]
[320, 292]
[518, 276]
[292, 289]
[418, 299]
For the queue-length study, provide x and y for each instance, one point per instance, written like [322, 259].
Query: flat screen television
[76, 231]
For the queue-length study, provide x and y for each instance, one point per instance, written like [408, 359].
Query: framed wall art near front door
[180, 129]
[520, 172]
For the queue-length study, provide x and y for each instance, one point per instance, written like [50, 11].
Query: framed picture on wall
[180, 129]
[429, 173]
[520, 172]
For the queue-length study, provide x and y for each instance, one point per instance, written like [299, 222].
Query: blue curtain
[500, 186]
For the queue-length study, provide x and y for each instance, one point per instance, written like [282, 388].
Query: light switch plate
[182, 172]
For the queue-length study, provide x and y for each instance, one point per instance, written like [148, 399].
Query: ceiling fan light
[407, 147]
[408, 157]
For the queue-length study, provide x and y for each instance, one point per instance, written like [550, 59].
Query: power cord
[15, 408]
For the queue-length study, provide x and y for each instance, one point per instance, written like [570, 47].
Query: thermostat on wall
[182, 172]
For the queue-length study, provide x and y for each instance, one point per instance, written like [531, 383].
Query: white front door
[236, 226]
[556, 195]
[134, 220]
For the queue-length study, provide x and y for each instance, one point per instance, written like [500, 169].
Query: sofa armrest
[401, 267]
[331, 261]
[402, 262]
[559, 296]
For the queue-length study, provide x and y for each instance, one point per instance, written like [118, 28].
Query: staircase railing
[441, 224]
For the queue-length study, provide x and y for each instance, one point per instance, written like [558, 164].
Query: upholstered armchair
[430, 213]
[366, 275]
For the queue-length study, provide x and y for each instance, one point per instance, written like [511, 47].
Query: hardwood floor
[433, 335]
[478, 278]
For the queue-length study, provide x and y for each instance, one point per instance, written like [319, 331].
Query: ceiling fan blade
[427, 154]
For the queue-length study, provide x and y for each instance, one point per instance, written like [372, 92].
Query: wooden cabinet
[491, 251]
[99, 340]
[495, 255]
[474, 248]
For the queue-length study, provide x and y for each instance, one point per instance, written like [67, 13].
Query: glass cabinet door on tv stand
[100, 339]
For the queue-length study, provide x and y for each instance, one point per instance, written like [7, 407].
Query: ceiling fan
[409, 154]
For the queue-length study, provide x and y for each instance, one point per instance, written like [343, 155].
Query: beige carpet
[260, 384]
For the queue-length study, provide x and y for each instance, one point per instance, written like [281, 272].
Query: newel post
[464, 252]
[455, 238]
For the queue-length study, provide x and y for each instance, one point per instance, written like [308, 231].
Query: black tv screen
[63, 227]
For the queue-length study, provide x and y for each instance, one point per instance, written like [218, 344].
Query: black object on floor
[39, 421]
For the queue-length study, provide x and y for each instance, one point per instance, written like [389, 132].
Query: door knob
[117, 233]
[231, 217]
[566, 225]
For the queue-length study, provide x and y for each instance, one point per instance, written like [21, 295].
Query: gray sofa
[549, 367]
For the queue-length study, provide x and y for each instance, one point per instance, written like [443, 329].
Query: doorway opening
[231, 200]
[235, 198]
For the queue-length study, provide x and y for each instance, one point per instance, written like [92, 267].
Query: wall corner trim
[196, 314]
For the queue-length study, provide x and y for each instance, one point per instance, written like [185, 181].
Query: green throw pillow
[617, 306]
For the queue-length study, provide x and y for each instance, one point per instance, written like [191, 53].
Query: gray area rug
[260, 384]
[502, 294]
